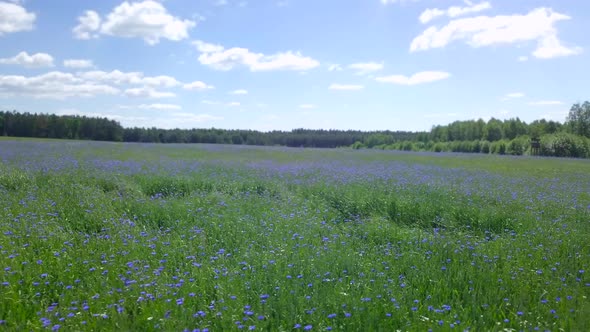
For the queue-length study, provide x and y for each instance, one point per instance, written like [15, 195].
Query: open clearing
[111, 236]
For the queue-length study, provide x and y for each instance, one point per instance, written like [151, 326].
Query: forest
[510, 136]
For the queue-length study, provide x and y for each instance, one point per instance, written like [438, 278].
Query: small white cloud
[15, 18]
[197, 86]
[152, 107]
[513, 95]
[239, 92]
[233, 104]
[159, 106]
[345, 87]
[220, 2]
[538, 26]
[454, 11]
[78, 63]
[148, 20]
[546, 103]
[364, 68]
[37, 60]
[219, 58]
[88, 25]
[418, 78]
[118, 77]
[210, 102]
[148, 92]
[308, 106]
[523, 58]
[334, 67]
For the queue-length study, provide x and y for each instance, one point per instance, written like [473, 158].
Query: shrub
[485, 147]
[564, 145]
[519, 145]
[358, 145]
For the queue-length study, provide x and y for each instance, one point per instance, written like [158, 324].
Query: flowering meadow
[145, 237]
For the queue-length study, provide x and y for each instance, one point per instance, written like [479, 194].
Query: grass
[137, 237]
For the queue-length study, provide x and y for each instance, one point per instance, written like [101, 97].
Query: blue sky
[284, 64]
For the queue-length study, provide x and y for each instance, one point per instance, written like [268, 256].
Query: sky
[286, 64]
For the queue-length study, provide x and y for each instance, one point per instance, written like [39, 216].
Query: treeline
[54, 126]
[512, 136]
[102, 129]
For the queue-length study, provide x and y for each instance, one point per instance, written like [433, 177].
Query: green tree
[578, 120]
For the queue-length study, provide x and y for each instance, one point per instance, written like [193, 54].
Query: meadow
[143, 237]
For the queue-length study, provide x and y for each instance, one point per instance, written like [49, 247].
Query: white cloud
[88, 26]
[118, 77]
[345, 87]
[197, 86]
[550, 47]
[364, 68]
[210, 102]
[334, 67]
[513, 95]
[307, 106]
[161, 80]
[15, 18]
[239, 92]
[233, 104]
[152, 107]
[147, 19]
[546, 103]
[37, 60]
[148, 92]
[52, 85]
[219, 58]
[537, 25]
[418, 78]
[78, 63]
[454, 11]
[523, 58]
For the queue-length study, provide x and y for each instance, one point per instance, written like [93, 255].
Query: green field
[141, 237]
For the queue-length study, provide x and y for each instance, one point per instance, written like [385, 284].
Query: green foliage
[498, 147]
[564, 145]
[578, 120]
[358, 145]
[485, 147]
[519, 145]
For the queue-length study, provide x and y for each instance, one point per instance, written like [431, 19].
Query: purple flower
[307, 327]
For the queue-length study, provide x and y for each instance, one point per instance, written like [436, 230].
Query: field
[140, 237]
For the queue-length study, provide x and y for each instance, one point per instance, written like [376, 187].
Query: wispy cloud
[418, 78]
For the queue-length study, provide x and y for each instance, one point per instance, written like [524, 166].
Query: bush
[498, 147]
[358, 145]
[485, 147]
[407, 146]
[564, 145]
[519, 145]
[439, 147]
